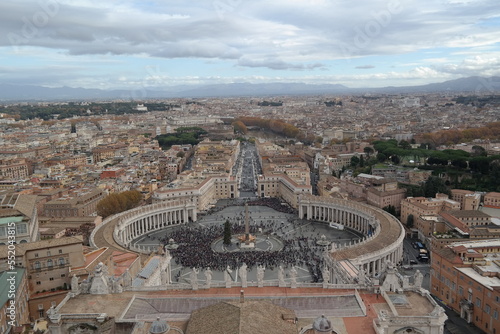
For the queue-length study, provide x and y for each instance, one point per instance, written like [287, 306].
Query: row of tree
[448, 137]
[118, 202]
[276, 126]
[476, 161]
[72, 109]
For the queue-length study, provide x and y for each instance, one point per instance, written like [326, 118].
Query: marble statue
[260, 275]
[193, 277]
[281, 276]
[361, 276]
[243, 275]
[74, 284]
[227, 276]
[418, 279]
[326, 275]
[99, 285]
[208, 278]
[165, 267]
[293, 276]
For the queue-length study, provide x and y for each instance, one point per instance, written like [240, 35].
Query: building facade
[466, 277]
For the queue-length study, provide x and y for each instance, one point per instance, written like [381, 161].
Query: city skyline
[158, 44]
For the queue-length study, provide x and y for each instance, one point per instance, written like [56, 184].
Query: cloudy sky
[156, 43]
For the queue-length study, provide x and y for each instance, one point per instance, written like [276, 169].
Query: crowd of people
[273, 203]
[195, 249]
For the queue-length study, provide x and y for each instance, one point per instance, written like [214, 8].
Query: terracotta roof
[22, 248]
[454, 221]
[25, 204]
[449, 254]
[468, 214]
[252, 317]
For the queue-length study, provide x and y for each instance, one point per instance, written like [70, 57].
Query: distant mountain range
[10, 92]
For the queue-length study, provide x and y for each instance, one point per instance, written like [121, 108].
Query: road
[411, 253]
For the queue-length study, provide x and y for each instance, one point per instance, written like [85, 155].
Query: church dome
[159, 327]
[322, 325]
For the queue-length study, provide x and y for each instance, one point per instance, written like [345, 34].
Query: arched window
[37, 265]
[50, 264]
[61, 261]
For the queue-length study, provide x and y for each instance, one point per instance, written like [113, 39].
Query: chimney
[242, 296]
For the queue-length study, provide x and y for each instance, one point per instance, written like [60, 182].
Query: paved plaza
[282, 240]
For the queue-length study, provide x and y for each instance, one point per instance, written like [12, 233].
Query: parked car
[413, 262]
[423, 258]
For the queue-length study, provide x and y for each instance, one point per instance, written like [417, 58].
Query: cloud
[253, 36]
[484, 65]
[296, 30]
[276, 64]
[364, 67]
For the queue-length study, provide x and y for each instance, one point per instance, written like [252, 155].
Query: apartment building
[15, 169]
[384, 192]
[468, 200]
[77, 204]
[282, 186]
[18, 219]
[47, 264]
[466, 277]
[492, 200]
[422, 206]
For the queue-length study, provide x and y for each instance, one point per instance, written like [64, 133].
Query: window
[51, 278]
[60, 251]
[36, 254]
[61, 261]
[50, 263]
[495, 314]
[37, 265]
[478, 302]
[48, 253]
[38, 283]
[487, 309]
[21, 229]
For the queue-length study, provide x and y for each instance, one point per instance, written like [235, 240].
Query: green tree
[395, 159]
[410, 221]
[478, 151]
[390, 209]
[361, 161]
[227, 233]
[404, 145]
[381, 157]
[434, 185]
[368, 150]
[354, 161]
